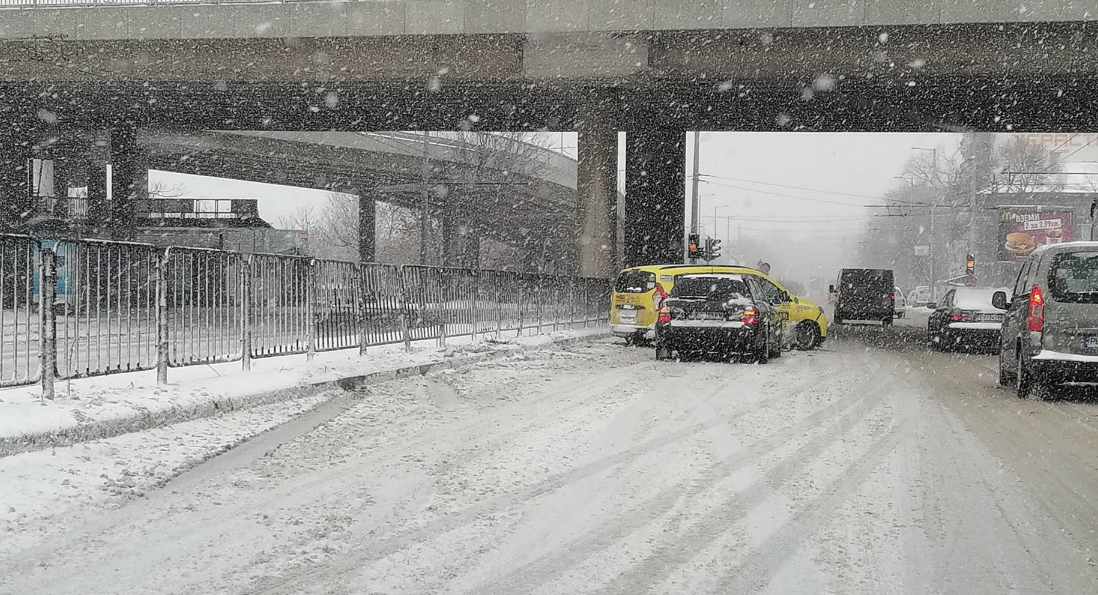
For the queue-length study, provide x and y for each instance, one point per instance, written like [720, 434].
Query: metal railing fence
[120, 307]
[108, 3]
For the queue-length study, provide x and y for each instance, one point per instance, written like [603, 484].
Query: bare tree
[165, 190]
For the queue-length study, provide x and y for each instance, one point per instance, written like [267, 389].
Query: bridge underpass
[654, 85]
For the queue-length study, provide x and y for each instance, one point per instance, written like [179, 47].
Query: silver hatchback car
[1050, 332]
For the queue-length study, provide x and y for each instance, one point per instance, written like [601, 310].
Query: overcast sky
[801, 194]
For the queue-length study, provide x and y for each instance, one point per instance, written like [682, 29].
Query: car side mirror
[932, 305]
[999, 300]
[830, 289]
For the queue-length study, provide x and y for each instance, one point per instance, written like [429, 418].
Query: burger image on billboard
[1020, 243]
[1022, 230]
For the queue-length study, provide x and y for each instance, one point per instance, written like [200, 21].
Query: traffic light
[712, 249]
[693, 250]
[970, 265]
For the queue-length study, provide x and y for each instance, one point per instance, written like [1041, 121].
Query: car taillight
[893, 298]
[665, 315]
[1035, 317]
[750, 316]
[962, 316]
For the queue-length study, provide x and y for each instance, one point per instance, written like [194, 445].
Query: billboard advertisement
[1022, 231]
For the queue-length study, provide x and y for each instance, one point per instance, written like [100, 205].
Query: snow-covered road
[596, 469]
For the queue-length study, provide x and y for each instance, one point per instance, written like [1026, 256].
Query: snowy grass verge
[108, 406]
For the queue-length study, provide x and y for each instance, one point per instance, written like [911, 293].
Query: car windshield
[548, 297]
[710, 288]
[635, 282]
[1074, 277]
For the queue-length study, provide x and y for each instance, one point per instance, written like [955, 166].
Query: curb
[147, 420]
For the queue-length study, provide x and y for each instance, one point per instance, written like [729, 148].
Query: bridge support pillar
[129, 180]
[15, 197]
[367, 227]
[597, 200]
[655, 196]
[460, 244]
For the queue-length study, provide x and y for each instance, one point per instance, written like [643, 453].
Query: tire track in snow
[384, 547]
[658, 565]
[547, 568]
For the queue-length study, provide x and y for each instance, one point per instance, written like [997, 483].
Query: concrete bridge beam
[129, 180]
[597, 198]
[655, 196]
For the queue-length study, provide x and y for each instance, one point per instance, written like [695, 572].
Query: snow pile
[92, 408]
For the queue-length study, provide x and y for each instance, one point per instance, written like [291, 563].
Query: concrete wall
[440, 17]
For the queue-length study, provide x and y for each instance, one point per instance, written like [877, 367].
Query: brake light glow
[961, 316]
[750, 315]
[1035, 316]
[665, 315]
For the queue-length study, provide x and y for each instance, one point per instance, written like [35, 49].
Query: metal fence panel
[338, 301]
[204, 305]
[105, 307]
[279, 308]
[20, 333]
[383, 303]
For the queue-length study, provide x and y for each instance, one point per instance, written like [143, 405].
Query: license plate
[1090, 342]
[989, 317]
[627, 317]
[708, 316]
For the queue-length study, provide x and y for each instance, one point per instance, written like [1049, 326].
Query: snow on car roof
[976, 298]
[733, 276]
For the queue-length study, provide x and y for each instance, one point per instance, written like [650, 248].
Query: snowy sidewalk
[117, 404]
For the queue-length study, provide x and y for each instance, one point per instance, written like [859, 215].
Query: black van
[865, 294]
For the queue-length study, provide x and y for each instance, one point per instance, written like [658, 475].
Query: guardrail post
[586, 304]
[499, 305]
[47, 296]
[162, 317]
[476, 302]
[445, 311]
[246, 274]
[521, 301]
[404, 311]
[359, 306]
[310, 311]
[540, 280]
[556, 304]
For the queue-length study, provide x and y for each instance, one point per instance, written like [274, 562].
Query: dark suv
[865, 295]
[1050, 334]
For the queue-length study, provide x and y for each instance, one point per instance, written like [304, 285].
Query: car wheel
[762, 353]
[1006, 378]
[1023, 379]
[806, 335]
[663, 352]
[777, 347]
[838, 319]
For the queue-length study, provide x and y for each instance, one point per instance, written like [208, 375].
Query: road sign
[922, 250]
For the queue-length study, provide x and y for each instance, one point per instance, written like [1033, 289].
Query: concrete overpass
[517, 193]
[652, 68]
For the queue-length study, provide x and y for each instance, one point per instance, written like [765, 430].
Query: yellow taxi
[639, 291]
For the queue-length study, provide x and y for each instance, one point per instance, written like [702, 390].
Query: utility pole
[933, 203]
[694, 201]
[425, 180]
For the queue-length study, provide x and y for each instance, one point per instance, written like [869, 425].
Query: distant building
[224, 224]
